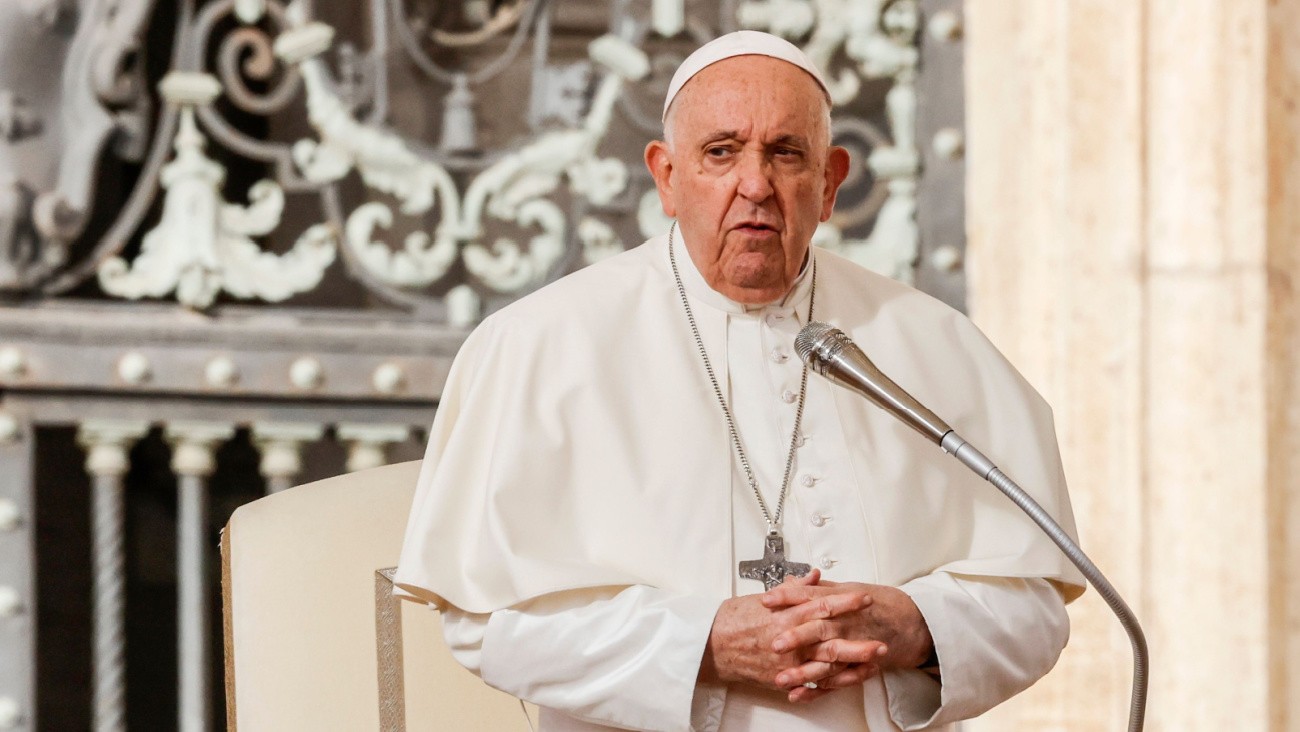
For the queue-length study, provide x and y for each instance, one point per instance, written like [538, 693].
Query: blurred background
[241, 240]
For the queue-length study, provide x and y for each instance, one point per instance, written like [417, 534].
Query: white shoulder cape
[578, 444]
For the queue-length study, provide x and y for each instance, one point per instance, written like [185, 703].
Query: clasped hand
[805, 630]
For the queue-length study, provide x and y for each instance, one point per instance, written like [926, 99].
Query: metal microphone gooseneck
[829, 352]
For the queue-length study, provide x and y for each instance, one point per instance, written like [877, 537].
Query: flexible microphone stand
[829, 352]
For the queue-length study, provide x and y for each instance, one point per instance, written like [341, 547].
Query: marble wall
[1134, 246]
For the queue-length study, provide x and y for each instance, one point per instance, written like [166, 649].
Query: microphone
[830, 353]
[827, 351]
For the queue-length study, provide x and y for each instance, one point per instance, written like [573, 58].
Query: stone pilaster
[1133, 176]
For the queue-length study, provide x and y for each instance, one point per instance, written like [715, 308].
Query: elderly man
[627, 462]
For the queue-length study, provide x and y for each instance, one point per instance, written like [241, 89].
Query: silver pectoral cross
[772, 569]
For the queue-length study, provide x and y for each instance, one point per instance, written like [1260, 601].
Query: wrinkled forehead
[751, 94]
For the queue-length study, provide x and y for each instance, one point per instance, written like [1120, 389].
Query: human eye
[717, 151]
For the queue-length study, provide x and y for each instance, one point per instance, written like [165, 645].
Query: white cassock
[580, 513]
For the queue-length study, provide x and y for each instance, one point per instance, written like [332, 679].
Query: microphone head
[812, 341]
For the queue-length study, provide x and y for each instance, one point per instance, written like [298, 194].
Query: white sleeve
[994, 636]
[625, 658]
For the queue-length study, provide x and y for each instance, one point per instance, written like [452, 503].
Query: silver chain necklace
[773, 568]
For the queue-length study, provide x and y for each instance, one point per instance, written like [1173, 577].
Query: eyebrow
[719, 135]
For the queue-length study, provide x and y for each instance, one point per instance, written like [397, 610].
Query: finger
[791, 583]
[787, 594]
[839, 650]
[808, 580]
[803, 695]
[805, 634]
[813, 671]
[827, 606]
[853, 675]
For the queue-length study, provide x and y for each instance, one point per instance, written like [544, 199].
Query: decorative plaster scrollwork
[17, 121]
[202, 244]
[514, 189]
[105, 96]
[384, 162]
[598, 240]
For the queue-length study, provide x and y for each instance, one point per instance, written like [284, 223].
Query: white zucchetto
[739, 43]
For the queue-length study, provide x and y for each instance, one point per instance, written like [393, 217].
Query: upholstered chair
[314, 639]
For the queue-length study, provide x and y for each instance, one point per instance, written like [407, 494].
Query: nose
[754, 178]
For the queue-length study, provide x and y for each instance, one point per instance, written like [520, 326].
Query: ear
[660, 163]
[837, 169]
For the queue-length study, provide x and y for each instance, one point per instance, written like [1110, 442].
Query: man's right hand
[739, 649]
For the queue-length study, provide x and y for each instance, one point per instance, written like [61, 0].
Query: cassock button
[818, 520]
[779, 356]
[774, 318]
[808, 480]
[826, 562]
[788, 396]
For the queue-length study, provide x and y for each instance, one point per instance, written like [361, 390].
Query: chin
[759, 284]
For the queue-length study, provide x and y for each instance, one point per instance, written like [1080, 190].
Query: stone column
[281, 446]
[1134, 172]
[368, 443]
[108, 445]
[193, 444]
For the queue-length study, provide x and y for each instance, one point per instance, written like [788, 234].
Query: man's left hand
[837, 649]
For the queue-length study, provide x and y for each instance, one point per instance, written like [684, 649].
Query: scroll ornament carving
[17, 121]
[202, 245]
[205, 245]
[513, 190]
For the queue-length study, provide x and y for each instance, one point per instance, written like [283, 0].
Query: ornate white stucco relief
[202, 244]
